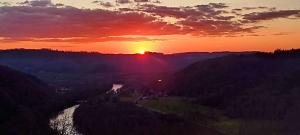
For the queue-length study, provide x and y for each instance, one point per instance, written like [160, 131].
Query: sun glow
[142, 47]
[141, 52]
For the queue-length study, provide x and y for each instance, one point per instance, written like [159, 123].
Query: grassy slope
[211, 118]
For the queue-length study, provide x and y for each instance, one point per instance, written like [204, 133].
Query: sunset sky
[168, 26]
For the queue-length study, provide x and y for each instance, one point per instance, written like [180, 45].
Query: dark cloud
[104, 4]
[240, 11]
[200, 27]
[157, 2]
[132, 1]
[59, 5]
[44, 21]
[5, 4]
[269, 15]
[141, 0]
[81, 39]
[204, 20]
[250, 8]
[257, 8]
[163, 11]
[237, 9]
[123, 1]
[204, 11]
[37, 3]
[69, 22]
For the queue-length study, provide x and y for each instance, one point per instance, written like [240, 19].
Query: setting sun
[141, 52]
[142, 47]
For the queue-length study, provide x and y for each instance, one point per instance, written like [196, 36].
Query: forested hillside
[255, 85]
[24, 101]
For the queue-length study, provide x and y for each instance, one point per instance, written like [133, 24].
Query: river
[64, 124]
[115, 88]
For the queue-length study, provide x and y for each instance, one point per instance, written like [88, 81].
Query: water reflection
[63, 123]
[115, 88]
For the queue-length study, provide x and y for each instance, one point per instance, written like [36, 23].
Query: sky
[167, 26]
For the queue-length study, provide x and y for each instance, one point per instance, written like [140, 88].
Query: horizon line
[146, 52]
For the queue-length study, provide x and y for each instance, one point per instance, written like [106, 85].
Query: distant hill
[260, 85]
[22, 97]
[62, 68]
[91, 62]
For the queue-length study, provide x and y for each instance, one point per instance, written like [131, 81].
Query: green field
[201, 115]
[211, 118]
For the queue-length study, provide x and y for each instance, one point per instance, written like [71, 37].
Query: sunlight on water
[63, 123]
[116, 88]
